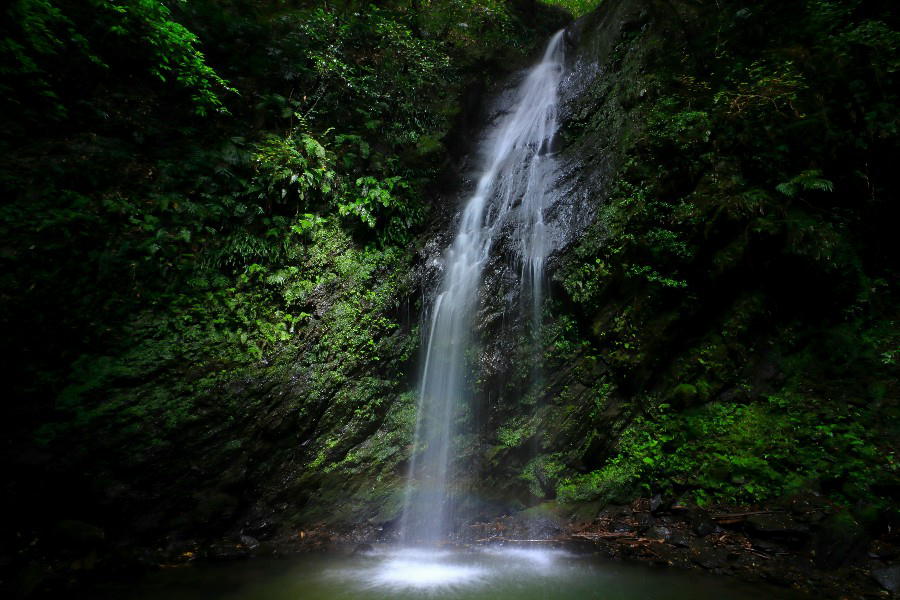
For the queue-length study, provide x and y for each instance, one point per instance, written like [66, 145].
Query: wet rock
[640, 505]
[767, 546]
[261, 529]
[622, 528]
[226, 550]
[808, 508]
[250, 542]
[179, 549]
[643, 521]
[778, 525]
[543, 520]
[888, 577]
[679, 539]
[659, 505]
[615, 511]
[708, 557]
[883, 550]
[839, 540]
[701, 522]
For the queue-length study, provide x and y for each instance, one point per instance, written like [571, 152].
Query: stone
[888, 577]
[778, 525]
[701, 523]
[658, 504]
[839, 540]
[643, 521]
[707, 557]
[883, 550]
[226, 550]
[767, 546]
[808, 507]
[679, 539]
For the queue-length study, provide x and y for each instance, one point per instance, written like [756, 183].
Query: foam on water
[428, 574]
[414, 569]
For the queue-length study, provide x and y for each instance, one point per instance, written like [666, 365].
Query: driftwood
[642, 541]
[745, 514]
[604, 534]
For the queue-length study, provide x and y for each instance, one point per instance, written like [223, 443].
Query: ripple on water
[528, 557]
[416, 574]
[423, 569]
[417, 569]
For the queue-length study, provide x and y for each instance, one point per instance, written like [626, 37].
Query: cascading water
[512, 191]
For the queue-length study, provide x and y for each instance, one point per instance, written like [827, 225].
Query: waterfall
[511, 193]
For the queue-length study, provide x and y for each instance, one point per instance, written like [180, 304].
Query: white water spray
[512, 191]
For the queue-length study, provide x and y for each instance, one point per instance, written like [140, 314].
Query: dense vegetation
[205, 198]
[740, 285]
[151, 200]
[210, 290]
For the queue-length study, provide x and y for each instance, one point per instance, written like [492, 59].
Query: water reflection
[389, 573]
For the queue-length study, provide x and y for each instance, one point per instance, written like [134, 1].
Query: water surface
[497, 574]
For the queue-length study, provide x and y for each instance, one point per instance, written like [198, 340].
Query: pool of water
[390, 573]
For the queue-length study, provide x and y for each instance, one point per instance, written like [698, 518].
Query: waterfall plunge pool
[388, 573]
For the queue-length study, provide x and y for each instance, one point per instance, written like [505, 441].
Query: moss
[546, 511]
[684, 394]
[542, 474]
[726, 315]
[618, 483]
[517, 431]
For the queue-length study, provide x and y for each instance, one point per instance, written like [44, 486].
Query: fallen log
[604, 534]
[728, 516]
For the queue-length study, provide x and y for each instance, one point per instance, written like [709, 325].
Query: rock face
[510, 378]
[536, 407]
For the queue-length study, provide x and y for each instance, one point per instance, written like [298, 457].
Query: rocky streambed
[800, 545]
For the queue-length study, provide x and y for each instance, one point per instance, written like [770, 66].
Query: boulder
[888, 577]
[840, 539]
[781, 526]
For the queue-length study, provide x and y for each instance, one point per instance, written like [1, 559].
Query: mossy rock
[840, 539]
[683, 395]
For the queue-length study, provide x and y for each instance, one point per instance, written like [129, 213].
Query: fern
[806, 181]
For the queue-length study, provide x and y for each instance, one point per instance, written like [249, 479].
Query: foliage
[43, 34]
[806, 181]
[516, 432]
[742, 233]
[210, 211]
[732, 453]
[578, 8]
[542, 471]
